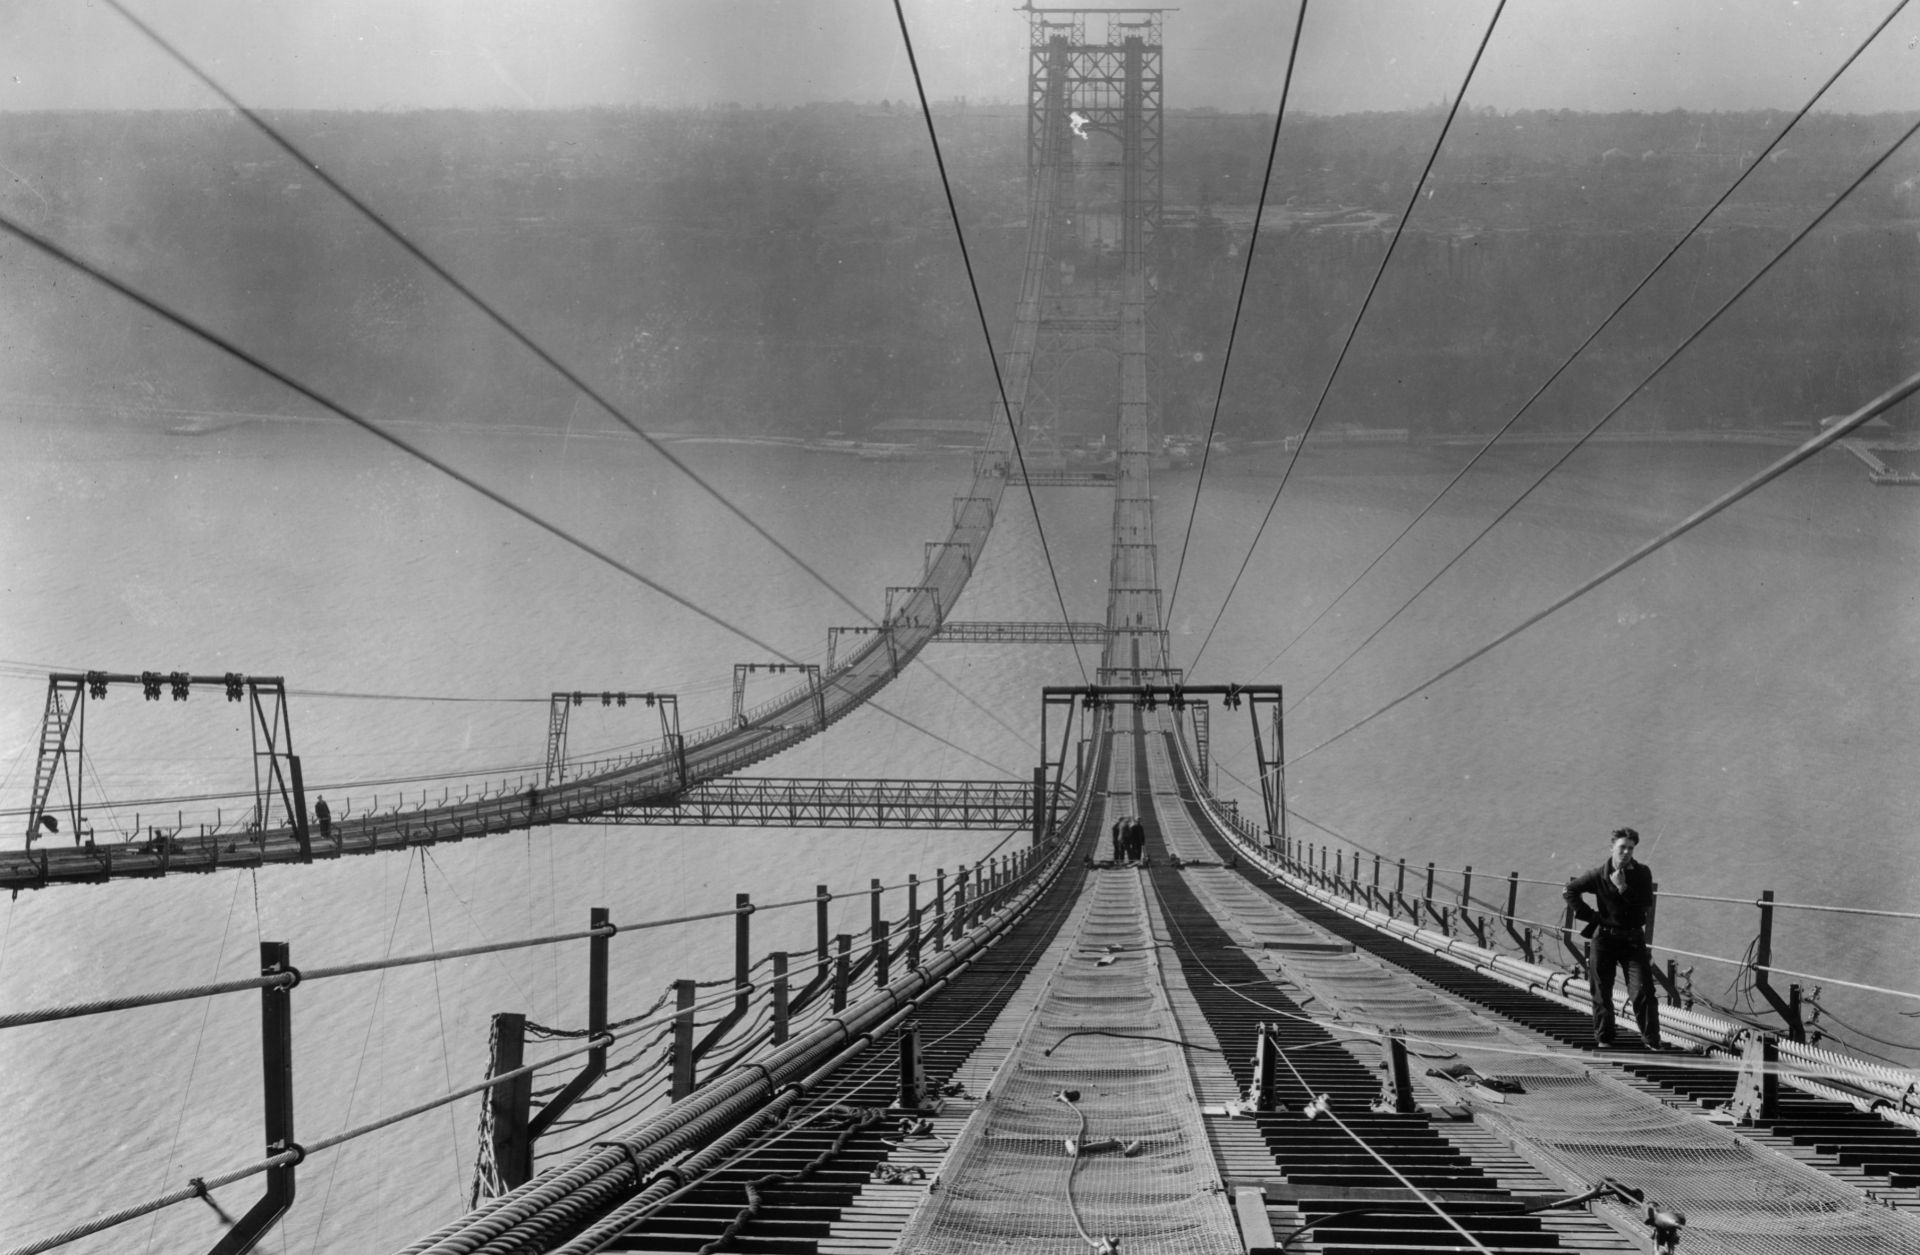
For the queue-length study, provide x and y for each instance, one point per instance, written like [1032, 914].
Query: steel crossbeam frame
[1177, 697]
[982, 632]
[1064, 477]
[276, 768]
[938, 549]
[741, 670]
[784, 802]
[668, 704]
[902, 597]
[994, 632]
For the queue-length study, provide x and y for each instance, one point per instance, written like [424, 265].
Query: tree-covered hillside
[796, 271]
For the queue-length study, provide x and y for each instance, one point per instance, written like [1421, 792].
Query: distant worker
[324, 813]
[1120, 840]
[1136, 841]
[1622, 889]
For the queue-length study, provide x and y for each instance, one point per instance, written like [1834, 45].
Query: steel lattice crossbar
[776, 802]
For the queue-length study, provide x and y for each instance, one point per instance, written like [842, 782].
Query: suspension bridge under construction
[1226, 1045]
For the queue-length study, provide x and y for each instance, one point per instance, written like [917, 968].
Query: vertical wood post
[820, 900]
[510, 1104]
[1039, 804]
[780, 994]
[601, 923]
[742, 940]
[913, 922]
[682, 1039]
[842, 970]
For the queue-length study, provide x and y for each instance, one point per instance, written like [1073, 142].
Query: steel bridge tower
[1094, 128]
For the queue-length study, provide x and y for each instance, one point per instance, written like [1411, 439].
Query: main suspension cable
[980, 310]
[1756, 164]
[492, 314]
[155, 306]
[1399, 230]
[512, 330]
[1239, 302]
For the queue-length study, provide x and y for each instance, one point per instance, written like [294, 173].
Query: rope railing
[1349, 882]
[1552, 928]
[1357, 849]
[642, 1087]
[1344, 886]
[103, 1006]
[499, 805]
[1811, 1063]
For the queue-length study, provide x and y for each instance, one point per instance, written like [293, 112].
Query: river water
[1745, 698]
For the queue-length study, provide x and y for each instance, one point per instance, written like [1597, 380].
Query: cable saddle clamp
[1664, 1222]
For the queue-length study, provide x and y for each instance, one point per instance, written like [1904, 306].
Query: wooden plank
[1250, 1209]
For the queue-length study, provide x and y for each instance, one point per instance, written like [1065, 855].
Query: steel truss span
[770, 802]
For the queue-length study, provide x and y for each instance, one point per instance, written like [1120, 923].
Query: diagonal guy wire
[501, 321]
[1754, 165]
[1246, 273]
[1353, 331]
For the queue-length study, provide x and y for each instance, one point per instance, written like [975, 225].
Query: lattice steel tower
[1094, 127]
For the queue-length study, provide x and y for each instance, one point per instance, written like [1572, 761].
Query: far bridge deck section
[914, 616]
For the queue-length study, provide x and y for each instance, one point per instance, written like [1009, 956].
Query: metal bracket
[914, 1093]
[1756, 1091]
[1398, 1090]
[599, 918]
[1266, 1067]
[276, 1067]
[1788, 1008]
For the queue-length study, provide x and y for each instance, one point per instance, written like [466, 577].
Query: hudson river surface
[1746, 698]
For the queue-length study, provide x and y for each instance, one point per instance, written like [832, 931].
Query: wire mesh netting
[1584, 1122]
[1011, 1183]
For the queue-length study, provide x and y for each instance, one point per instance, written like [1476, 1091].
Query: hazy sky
[1356, 54]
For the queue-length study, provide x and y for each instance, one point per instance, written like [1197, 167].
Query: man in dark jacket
[1622, 889]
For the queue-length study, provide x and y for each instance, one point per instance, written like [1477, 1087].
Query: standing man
[1119, 840]
[1136, 841]
[324, 813]
[1622, 889]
